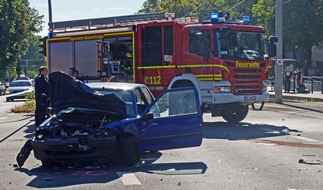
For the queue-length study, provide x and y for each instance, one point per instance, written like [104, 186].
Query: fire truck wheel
[131, 153]
[234, 114]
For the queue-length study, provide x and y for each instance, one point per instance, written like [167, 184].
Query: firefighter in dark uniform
[42, 89]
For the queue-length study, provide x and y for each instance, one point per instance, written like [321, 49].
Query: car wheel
[235, 114]
[131, 154]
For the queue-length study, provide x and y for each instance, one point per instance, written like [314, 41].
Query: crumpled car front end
[77, 131]
[75, 134]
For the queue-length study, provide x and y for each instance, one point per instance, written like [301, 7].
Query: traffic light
[42, 46]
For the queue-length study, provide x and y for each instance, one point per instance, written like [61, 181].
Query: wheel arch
[186, 80]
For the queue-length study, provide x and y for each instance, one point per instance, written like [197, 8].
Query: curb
[300, 98]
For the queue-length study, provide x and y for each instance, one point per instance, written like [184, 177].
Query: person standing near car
[298, 77]
[42, 88]
[287, 76]
[75, 74]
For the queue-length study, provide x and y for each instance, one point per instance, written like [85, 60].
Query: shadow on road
[243, 131]
[29, 130]
[68, 176]
[299, 106]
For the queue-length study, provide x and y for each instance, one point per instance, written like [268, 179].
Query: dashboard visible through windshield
[241, 45]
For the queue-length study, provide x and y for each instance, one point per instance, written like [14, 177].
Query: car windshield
[125, 96]
[20, 83]
[241, 45]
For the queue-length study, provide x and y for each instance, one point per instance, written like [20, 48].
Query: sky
[64, 10]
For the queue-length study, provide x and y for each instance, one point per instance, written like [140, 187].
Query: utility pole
[50, 16]
[279, 56]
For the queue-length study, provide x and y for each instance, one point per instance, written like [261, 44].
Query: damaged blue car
[105, 121]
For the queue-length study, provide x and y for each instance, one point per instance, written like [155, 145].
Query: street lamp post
[50, 15]
[279, 56]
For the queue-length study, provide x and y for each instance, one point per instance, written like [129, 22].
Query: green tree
[302, 24]
[33, 57]
[199, 8]
[18, 22]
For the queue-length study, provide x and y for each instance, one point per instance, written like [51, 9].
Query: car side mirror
[148, 116]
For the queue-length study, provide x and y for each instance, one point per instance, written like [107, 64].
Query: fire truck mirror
[273, 39]
[272, 50]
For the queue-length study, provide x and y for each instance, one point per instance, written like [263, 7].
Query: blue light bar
[246, 18]
[214, 17]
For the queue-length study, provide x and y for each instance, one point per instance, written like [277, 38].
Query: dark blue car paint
[171, 132]
[174, 131]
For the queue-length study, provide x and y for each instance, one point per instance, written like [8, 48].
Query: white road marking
[128, 178]
[305, 139]
[11, 114]
[2, 118]
[267, 144]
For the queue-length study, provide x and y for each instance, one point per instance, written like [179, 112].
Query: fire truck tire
[235, 114]
[131, 153]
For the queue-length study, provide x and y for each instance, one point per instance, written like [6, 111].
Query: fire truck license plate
[250, 98]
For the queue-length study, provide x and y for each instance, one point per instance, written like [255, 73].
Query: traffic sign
[280, 61]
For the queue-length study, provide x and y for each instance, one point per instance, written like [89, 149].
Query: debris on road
[24, 153]
[310, 162]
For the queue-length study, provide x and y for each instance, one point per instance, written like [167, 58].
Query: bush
[28, 107]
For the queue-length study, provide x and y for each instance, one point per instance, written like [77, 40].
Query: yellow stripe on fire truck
[184, 66]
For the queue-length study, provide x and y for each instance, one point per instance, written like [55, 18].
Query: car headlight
[222, 89]
[8, 91]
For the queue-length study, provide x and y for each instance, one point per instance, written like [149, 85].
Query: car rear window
[21, 83]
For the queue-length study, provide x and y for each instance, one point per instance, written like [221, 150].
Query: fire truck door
[196, 57]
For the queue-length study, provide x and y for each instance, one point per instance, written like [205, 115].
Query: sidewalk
[315, 97]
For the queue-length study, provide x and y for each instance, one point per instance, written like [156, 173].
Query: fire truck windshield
[241, 45]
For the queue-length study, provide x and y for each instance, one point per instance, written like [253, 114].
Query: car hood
[66, 91]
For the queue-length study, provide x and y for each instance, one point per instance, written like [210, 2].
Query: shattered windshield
[241, 45]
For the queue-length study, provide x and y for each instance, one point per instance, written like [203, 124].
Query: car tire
[235, 114]
[130, 150]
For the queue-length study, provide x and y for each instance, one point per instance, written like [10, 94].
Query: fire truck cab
[227, 62]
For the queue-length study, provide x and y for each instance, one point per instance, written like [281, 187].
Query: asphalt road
[277, 148]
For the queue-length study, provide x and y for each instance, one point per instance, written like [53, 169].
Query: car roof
[115, 85]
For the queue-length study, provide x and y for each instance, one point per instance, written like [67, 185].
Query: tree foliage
[302, 24]
[199, 8]
[18, 22]
[302, 19]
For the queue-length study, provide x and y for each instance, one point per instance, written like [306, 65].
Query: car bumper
[224, 98]
[18, 95]
[74, 149]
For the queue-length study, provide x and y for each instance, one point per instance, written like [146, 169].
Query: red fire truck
[228, 62]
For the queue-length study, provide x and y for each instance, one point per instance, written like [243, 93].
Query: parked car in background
[18, 89]
[106, 121]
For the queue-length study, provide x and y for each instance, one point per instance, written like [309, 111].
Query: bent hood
[67, 91]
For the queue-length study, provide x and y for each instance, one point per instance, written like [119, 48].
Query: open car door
[173, 120]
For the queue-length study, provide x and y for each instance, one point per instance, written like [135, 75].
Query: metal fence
[312, 83]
